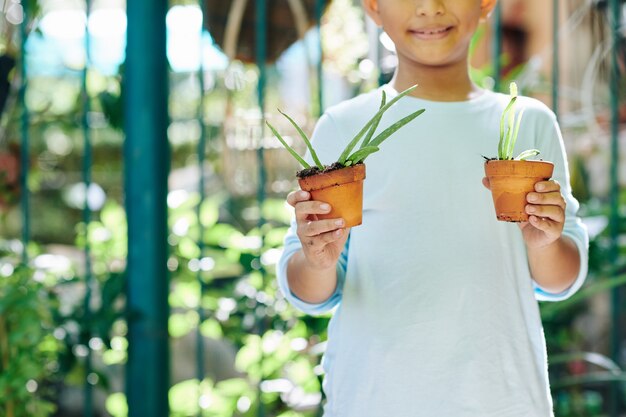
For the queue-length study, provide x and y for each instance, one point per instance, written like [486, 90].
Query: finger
[486, 183]
[318, 227]
[549, 227]
[554, 213]
[295, 197]
[306, 208]
[547, 186]
[553, 198]
[321, 240]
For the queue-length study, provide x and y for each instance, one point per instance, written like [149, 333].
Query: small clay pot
[342, 189]
[511, 181]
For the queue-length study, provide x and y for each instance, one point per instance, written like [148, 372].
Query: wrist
[543, 246]
[313, 265]
[556, 266]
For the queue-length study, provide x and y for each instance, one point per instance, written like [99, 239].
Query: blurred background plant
[28, 351]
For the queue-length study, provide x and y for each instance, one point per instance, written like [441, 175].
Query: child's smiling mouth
[432, 33]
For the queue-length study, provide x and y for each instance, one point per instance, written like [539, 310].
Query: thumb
[486, 183]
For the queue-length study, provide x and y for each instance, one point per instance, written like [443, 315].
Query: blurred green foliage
[28, 351]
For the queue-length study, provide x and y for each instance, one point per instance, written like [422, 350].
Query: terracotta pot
[342, 189]
[511, 181]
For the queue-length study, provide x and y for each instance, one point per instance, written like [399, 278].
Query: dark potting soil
[497, 159]
[309, 172]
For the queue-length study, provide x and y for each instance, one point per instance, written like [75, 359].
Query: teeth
[432, 32]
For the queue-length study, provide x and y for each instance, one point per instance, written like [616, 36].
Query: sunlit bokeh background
[236, 347]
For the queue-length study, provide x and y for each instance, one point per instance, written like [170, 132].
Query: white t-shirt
[437, 312]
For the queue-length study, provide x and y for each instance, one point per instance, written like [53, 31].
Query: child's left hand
[546, 208]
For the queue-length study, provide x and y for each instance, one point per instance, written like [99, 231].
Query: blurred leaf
[548, 310]
[223, 235]
[299, 329]
[291, 413]
[277, 210]
[209, 213]
[589, 378]
[275, 237]
[249, 356]
[211, 328]
[113, 288]
[181, 324]
[188, 248]
[184, 397]
[116, 405]
[300, 371]
[185, 295]
[255, 280]
[26, 348]
[113, 216]
[114, 357]
[112, 108]
[233, 387]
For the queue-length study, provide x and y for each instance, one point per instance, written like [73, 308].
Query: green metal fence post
[261, 58]
[555, 57]
[146, 154]
[496, 47]
[87, 161]
[24, 148]
[616, 294]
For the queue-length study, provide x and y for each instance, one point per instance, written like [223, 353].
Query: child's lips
[433, 33]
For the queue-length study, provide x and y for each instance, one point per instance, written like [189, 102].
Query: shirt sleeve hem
[314, 309]
[543, 295]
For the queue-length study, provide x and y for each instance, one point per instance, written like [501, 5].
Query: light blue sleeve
[324, 138]
[550, 142]
[292, 245]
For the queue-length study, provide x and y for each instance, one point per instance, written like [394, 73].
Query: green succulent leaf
[361, 154]
[504, 137]
[515, 132]
[289, 148]
[394, 127]
[527, 154]
[374, 126]
[305, 139]
[510, 123]
[508, 149]
[346, 152]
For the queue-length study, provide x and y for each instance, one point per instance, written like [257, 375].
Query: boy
[437, 313]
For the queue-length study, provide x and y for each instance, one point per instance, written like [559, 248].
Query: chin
[434, 63]
[432, 60]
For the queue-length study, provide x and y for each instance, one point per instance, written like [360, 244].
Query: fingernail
[531, 209]
[532, 197]
[540, 187]
[303, 194]
[339, 222]
[324, 207]
[338, 232]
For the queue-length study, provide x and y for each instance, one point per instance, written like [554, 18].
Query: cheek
[397, 15]
[393, 24]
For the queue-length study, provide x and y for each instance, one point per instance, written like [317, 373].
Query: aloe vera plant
[352, 154]
[509, 129]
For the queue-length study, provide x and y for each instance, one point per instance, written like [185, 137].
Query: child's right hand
[322, 240]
